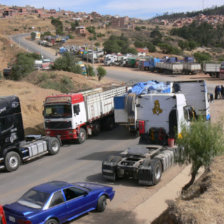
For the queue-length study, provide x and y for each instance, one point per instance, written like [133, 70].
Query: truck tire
[82, 136]
[150, 173]
[110, 125]
[12, 161]
[101, 204]
[156, 171]
[97, 128]
[53, 145]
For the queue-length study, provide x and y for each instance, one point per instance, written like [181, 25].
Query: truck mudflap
[150, 172]
[167, 158]
[109, 167]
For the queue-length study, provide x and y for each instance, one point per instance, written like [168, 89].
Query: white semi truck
[161, 117]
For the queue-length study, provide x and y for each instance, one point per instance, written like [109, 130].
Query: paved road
[31, 46]
[83, 163]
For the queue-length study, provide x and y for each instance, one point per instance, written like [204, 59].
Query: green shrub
[150, 47]
[169, 49]
[76, 69]
[24, 65]
[202, 57]
[90, 71]
[101, 72]
[64, 85]
[1, 76]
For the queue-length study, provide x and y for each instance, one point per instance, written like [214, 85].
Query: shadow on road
[128, 182]
[100, 155]
[109, 216]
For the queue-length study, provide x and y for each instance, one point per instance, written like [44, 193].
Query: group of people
[219, 92]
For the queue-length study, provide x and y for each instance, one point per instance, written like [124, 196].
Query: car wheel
[82, 136]
[52, 221]
[12, 161]
[102, 203]
[53, 145]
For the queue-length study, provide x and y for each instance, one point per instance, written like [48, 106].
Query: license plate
[12, 219]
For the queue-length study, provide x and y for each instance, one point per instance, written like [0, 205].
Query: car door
[76, 201]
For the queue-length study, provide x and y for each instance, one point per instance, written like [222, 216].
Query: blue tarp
[150, 86]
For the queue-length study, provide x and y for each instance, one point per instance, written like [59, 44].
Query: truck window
[6, 124]
[76, 109]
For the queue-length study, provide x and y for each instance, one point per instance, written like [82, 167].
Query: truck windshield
[57, 111]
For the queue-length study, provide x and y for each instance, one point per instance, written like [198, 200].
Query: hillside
[207, 12]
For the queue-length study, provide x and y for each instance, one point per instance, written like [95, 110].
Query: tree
[91, 29]
[150, 47]
[139, 44]
[101, 72]
[58, 26]
[24, 65]
[68, 63]
[33, 36]
[202, 57]
[132, 50]
[74, 25]
[198, 145]
[90, 71]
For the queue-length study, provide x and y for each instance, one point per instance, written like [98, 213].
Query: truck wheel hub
[13, 161]
[158, 173]
[55, 147]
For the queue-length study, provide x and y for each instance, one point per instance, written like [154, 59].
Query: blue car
[57, 202]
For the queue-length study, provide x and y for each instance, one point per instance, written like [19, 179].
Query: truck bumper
[62, 134]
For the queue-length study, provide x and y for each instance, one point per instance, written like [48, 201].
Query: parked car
[2, 216]
[57, 202]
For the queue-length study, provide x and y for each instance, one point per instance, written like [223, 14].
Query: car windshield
[34, 199]
[57, 111]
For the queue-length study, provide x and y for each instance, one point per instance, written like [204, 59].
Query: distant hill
[209, 11]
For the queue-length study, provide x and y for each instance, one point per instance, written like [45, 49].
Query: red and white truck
[77, 115]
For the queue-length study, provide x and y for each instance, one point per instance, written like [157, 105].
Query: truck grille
[58, 125]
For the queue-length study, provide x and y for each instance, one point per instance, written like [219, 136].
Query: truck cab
[63, 115]
[15, 147]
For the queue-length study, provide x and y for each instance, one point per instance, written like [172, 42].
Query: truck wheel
[110, 123]
[156, 171]
[82, 136]
[53, 145]
[12, 161]
[97, 128]
[101, 204]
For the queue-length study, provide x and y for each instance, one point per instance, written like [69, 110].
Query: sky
[143, 9]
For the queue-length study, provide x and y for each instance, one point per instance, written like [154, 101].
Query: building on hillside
[81, 30]
[121, 22]
[9, 12]
[142, 52]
